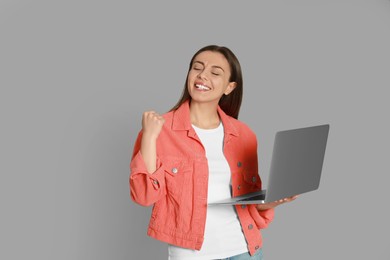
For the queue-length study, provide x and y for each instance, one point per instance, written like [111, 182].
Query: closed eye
[197, 65]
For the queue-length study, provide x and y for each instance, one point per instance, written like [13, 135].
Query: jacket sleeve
[145, 188]
[262, 218]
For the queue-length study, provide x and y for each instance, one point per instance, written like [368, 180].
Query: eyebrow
[214, 66]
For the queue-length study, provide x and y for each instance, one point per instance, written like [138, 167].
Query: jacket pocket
[177, 173]
[251, 178]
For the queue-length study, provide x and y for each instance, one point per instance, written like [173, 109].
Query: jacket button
[257, 247]
[238, 187]
[254, 179]
[243, 206]
[174, 170]
[155, 182]
[250, 226]
[239, 164]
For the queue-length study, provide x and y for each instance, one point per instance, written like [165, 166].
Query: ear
[230, 88]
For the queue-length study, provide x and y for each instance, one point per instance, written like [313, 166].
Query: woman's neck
[204, 115]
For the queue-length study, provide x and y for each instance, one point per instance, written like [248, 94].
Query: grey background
[76, 76]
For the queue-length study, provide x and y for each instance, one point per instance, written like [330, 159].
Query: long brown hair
[231, 103]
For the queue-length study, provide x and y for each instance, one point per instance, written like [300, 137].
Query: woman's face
[208, 78]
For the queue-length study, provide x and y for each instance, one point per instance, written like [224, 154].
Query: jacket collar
[181, 120]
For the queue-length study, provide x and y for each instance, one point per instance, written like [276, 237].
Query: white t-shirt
[223, 234]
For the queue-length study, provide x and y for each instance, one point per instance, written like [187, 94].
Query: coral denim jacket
[178, 188]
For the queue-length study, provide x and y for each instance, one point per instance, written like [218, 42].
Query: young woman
[196, 154]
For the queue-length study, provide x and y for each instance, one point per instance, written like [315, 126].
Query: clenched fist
[152, 124]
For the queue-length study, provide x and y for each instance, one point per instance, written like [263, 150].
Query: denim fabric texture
[178, 188]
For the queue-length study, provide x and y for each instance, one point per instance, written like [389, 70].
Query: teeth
[202, 87]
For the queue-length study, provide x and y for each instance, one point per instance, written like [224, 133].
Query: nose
[202, 74]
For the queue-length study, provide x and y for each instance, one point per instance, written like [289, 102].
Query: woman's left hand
[271, 205]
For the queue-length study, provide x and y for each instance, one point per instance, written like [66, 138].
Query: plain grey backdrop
[76, 76]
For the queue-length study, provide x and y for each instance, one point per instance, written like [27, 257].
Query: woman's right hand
[152, 124]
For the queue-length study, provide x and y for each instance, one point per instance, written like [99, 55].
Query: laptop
[296, 166]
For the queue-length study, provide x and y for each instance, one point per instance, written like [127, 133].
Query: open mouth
[202, 87]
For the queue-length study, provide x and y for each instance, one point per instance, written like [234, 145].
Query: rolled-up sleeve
[145, 188]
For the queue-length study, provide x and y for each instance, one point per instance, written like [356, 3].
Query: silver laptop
[296, 166]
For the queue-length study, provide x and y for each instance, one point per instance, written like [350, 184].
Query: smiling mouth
[202, 87]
